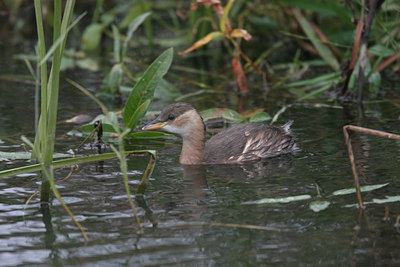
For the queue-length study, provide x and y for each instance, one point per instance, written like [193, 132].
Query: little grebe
[237, 144]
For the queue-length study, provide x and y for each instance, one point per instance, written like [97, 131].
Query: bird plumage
[240, 143]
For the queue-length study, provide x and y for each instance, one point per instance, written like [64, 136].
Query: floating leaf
[25, 155]
[203, 41]
[386, 200]
[278, 200]
[79, 119]
[144, 88]
[365, 188]
[225, 113]
[318, 206]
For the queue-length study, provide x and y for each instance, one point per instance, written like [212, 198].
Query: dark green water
[186, 211]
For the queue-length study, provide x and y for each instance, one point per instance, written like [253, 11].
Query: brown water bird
[240, 143]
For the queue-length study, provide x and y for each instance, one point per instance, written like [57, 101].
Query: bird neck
[193, 145]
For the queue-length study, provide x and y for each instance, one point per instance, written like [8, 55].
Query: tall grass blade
[322, 49]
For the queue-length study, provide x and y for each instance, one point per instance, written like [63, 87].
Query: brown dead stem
[351, 155]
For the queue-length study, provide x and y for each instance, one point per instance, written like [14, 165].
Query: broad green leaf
[225, 113]
[322, 49]
[278, 200]
[91, 37]
[112, 81]
[138, 114]
[365, 188]
[144, 88]
[260, 117]
[318, 206]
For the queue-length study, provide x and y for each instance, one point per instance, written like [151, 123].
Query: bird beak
[154, 126]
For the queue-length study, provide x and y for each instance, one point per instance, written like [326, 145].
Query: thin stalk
[124, 169]
[121, 149]
[40, 139]
[146, 176]
[43, 78]
[351, 155]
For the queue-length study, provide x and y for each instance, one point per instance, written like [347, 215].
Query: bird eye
[171, 117]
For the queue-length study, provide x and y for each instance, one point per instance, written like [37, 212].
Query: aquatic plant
[137, 105]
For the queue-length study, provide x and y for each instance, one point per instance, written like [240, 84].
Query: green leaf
[318, 206]
[315, 93]
[225, 113]
[374, 82]
[388, 199]
[108, 126]
[260, 117]
[138, 114]
[144, 88]
[112, 81]
[91, 37]
[365, 188]
[133, 26]
[380, 50]
[224, 18]
[25, 155]
[117, 44]
[134, 13]
[335, 76]
[322, 49]
[70, 162]
[278, 200]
